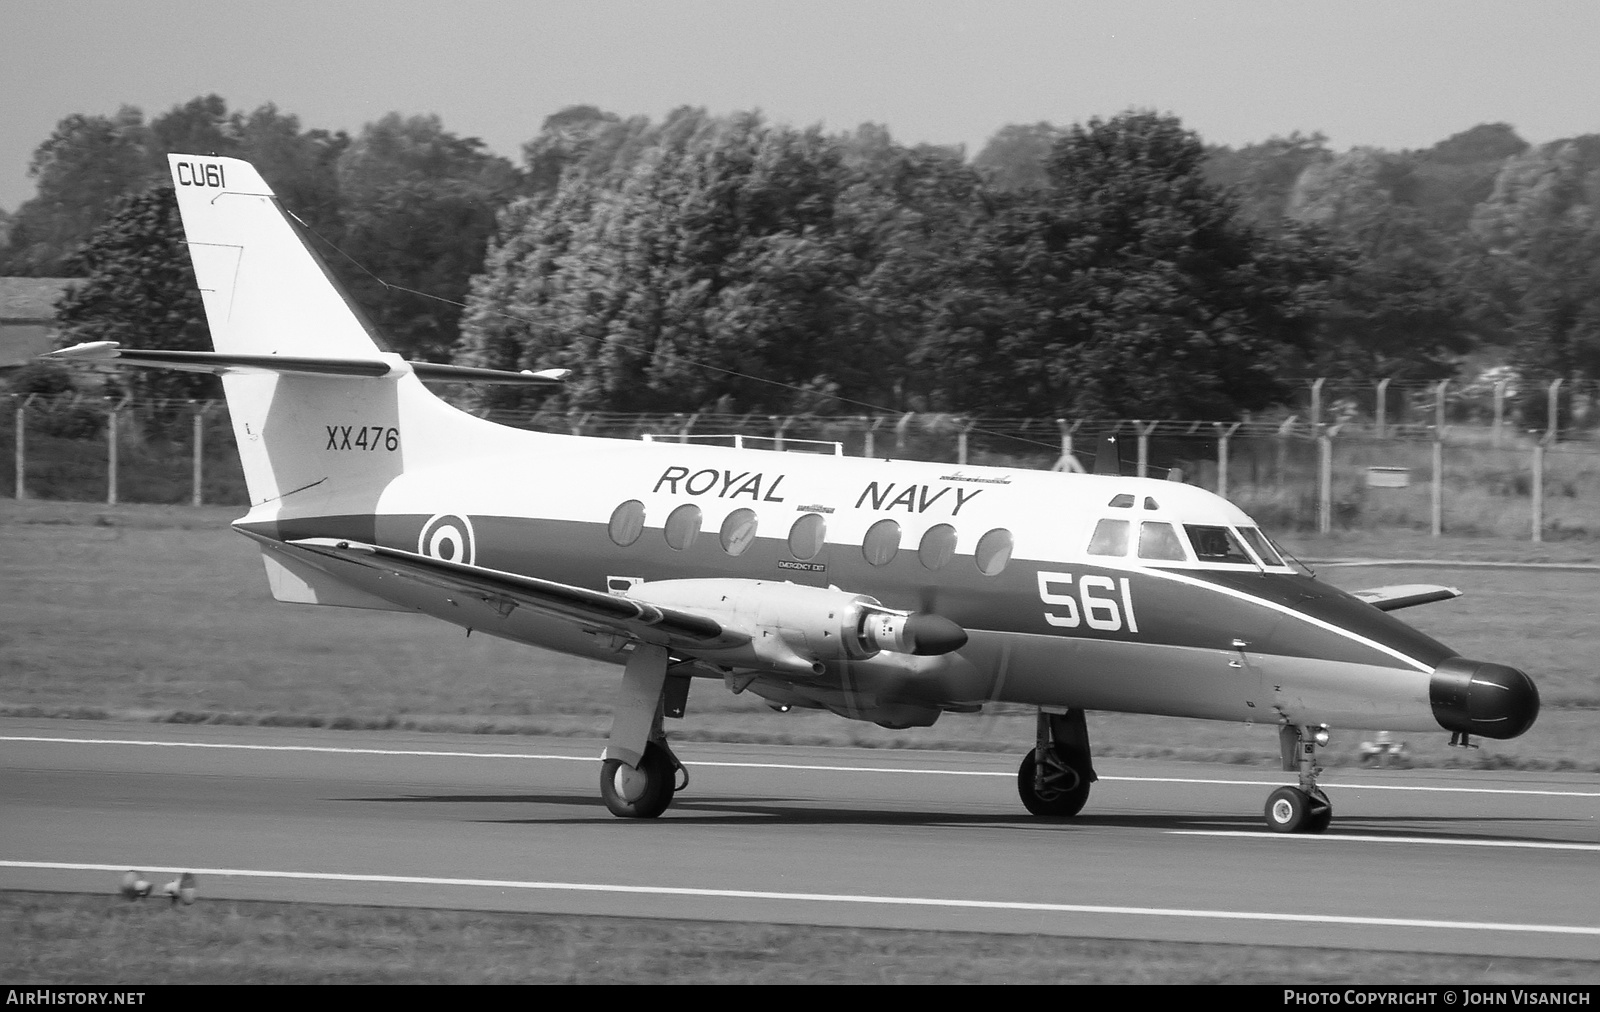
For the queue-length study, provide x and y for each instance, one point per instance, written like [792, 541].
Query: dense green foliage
[1480, 249]
[139, 290]
[762, 268]
[1113, 268]
[404, 206]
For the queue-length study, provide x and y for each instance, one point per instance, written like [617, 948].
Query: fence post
[1144, 432]
[197, 468]
[870, 444]
[111, 455]
[1499, 409]
[1067, 461]
[961, 442]
[780, 425]
[900, 432]
[1552, 429]
[1223, 435]
[1552, 435]
[1316, 401]
[1438, 459]
[1383, 405]
[1325, 480]
[1538, 490]
[22, 442]
[1284, 432]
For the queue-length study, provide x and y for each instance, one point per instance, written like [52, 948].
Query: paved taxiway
[1501, 863]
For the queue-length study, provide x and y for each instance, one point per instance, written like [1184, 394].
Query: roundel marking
[448, 537]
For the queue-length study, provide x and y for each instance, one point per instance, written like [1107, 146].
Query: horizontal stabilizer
[559, 599]
[1405, 595]
[218, 364]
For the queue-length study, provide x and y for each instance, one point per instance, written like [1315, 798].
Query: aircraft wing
[1405, 595]
[591, 607]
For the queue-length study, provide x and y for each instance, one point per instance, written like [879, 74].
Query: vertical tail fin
[267, 294]
[265, 291]
[329, 429]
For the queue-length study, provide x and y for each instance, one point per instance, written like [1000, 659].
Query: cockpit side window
[1217, 544]
[1110, 538]
[1158, 541]
[1263, 547]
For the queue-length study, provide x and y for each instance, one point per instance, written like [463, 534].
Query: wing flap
[578, 604]
[1406, 595]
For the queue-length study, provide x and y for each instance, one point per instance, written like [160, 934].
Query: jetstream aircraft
[882, 590]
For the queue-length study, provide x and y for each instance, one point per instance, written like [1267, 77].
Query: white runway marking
[301, 748]
[810, 767]
[1371, 787]
[906, 901]
[1434, 841]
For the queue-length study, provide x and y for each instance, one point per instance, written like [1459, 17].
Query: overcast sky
[1389, 73]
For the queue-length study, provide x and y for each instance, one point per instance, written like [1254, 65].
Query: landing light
[1320, 735]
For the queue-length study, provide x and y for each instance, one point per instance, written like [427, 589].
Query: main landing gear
[639, 774]
[1054, 778]
[1302, 809]
[643, 791]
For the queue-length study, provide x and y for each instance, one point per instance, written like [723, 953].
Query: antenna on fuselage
[1108, 457]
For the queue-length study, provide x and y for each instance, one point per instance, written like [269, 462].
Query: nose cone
[1477, 697]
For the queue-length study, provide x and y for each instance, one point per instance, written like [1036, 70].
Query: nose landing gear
[1054, 778]
[1302, 809]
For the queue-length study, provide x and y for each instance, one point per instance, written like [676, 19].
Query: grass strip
[85, 939]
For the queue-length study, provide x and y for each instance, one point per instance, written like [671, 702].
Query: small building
[28, 319]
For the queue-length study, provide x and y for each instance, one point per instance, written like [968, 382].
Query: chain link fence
[1464, 466]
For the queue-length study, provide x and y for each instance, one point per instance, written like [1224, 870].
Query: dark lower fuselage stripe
[1276, 614]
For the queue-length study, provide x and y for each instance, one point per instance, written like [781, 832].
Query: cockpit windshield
[1262, 546]
[1165, 543]
[1217, 544]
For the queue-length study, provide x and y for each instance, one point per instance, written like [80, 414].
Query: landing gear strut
[639, 774]
[1054, 778]
[1302, 809]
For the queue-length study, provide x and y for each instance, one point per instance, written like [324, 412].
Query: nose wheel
[1302, 809]
[1291, 810]
[1053, 780]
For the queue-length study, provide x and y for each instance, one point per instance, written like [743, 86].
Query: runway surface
[1504, 863]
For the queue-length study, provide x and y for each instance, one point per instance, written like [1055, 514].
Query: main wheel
[642, 793]
[1289, 810]
[1059, 793]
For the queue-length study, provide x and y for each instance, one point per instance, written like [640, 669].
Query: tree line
[1114, 268]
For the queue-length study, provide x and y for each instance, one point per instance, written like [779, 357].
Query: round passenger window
[938, 546]
[739, 531]
[683, 525]
[881, 543]
[993, 552]
[627, 522]
[805, 537]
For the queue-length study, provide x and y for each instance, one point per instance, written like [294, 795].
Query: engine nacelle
[799, 629]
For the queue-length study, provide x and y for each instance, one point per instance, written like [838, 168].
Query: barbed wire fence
[1442, 457]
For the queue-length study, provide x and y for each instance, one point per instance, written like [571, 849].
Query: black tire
[1063, 793]
[1288, 809]
[1321, 815]
[655, 794]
